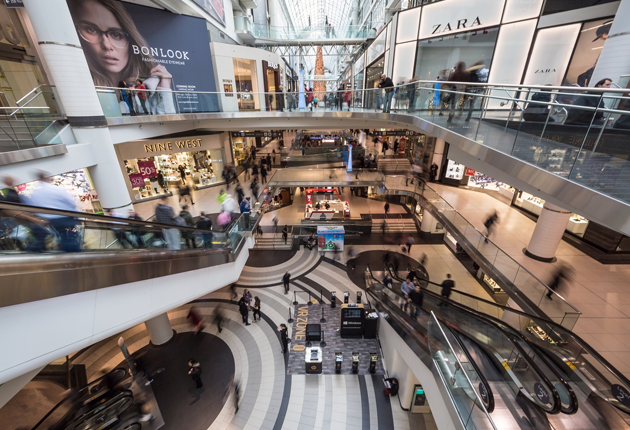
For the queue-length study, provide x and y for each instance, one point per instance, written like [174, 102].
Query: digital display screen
[353, 313]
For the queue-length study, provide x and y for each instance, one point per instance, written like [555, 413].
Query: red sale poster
[137, 180]
[147, 168]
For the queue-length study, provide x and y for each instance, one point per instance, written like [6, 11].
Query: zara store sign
[456, 16]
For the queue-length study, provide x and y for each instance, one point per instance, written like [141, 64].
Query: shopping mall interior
[314, 214]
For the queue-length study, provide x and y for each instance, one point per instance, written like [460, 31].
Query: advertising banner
[125, 42]
[470, 172]
[137, 180]
[329, 238]
[14, 3]
[147, 168]
[214, 8]
[586, 53]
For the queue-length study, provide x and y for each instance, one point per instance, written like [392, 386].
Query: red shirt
[141, 94]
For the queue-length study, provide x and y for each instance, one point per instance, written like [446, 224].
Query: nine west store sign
[459, 15]
[151, 147]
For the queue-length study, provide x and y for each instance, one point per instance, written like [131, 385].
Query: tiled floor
[599, 291]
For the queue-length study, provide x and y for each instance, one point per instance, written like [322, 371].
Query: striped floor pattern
[272, 399]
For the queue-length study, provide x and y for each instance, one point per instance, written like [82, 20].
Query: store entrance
[373, 76]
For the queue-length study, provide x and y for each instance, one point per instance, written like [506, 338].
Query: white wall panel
[404, 61]
[518, 10]
[551, 54]
[408, 22]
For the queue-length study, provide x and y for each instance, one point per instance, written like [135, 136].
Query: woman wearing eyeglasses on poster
[107, 34]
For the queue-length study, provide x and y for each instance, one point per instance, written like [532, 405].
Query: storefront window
[442, 53]
[372, 99]
[154, 176]
[78, 183]
[577, 224]
[246, 82]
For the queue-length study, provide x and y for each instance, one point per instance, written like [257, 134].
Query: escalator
[511, 351]
[44, 258]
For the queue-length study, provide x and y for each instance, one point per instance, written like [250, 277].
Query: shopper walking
[119, 233]
[195, 319]
[489, 223]
[240, 194]
[285, 234]
[387, 84]
[256, 309]
[142, 96]
[285, 280]
[47, 195]
[194, 370]
[433, 172]
[561, 275]
[284, 337]
[447, 286]
[386, 209]
[405, 288]
[416, 297]
[409, 242]
[387, 281]
[188, 235]
[269, 162]
[205, 223]
[164, 214]
[458, 75]
[244, 311]
[263, 173]
[246, 209]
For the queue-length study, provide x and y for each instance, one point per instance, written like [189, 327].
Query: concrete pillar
[548, 232]
[614, 59]
[160, 330]
[69, 72]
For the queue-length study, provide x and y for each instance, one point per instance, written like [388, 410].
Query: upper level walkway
[564, 155]
[253, 33]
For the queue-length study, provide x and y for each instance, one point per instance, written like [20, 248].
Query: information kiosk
[313, 361]
[352, 318]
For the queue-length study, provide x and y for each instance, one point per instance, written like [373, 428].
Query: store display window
[246, 80]
[433, 56]
[454, 170]
[154, 176]
[78, 183]
[373, 98]
[577, 224]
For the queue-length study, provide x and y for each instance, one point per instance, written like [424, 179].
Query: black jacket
[204, 224]
[11, 197]
[387, 84]
[584, 117]
[242, 308]
[286, 278]
[416, 297]
[447, 286]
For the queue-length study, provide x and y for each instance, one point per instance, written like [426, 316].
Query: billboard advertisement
[214, 8]
[124, 43]
[586, 54]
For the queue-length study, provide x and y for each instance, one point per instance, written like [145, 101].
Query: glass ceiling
[337, 12]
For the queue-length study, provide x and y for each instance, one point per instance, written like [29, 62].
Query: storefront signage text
[461, 24]
[396, 133]
[300, 326]
[169, 146]
[14, 3]
[272, 65]
[256, 134]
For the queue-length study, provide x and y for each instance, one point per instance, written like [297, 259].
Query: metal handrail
[477, 230]
[32, 91]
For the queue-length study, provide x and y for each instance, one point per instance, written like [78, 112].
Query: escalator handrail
[455, 333]
[573, 404]
[116, 222]
[557, 327]
[484, 318]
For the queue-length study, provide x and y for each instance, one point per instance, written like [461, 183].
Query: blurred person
[244, 311]
[142, 96]
[416, 297]
[386, 209]
[219, 317]
[221, 196]
[188, 235]
[240, 194]
[9, 195]
[50, 196]
[195, 319]
[352, 257]
[591, 100]
[489, 223]
[195, 371]
[386, 84]
[205, 223]
[164, 214]
[263, 173]
[477, 73]
[136, 231]
[459, 75]
[182, 173]
[405, 288]
[409, 242]
[560, 276]
[256, 309]
[388, 282]
[255, 188]
[285, 234]
[119, 233]
[269, 161]
[233, 291]
[433, 170]
[447, 287]
[185, 194]
[246, 209]
[247, 296]
[284, 337]
[285, 281]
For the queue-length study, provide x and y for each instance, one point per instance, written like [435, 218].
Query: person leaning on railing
[592, 100]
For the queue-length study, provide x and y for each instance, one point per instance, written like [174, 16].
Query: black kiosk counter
[352, 319]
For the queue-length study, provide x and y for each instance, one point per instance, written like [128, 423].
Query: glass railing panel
[455, 376]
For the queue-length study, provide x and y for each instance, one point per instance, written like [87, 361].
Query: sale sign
[147, 168]
[137, 180]
[470, 172]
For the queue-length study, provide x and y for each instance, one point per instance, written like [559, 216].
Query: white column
[160, 330]
[438, 154]
[61, 50]
[614, 60]
[548, 232]
[427, 223]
